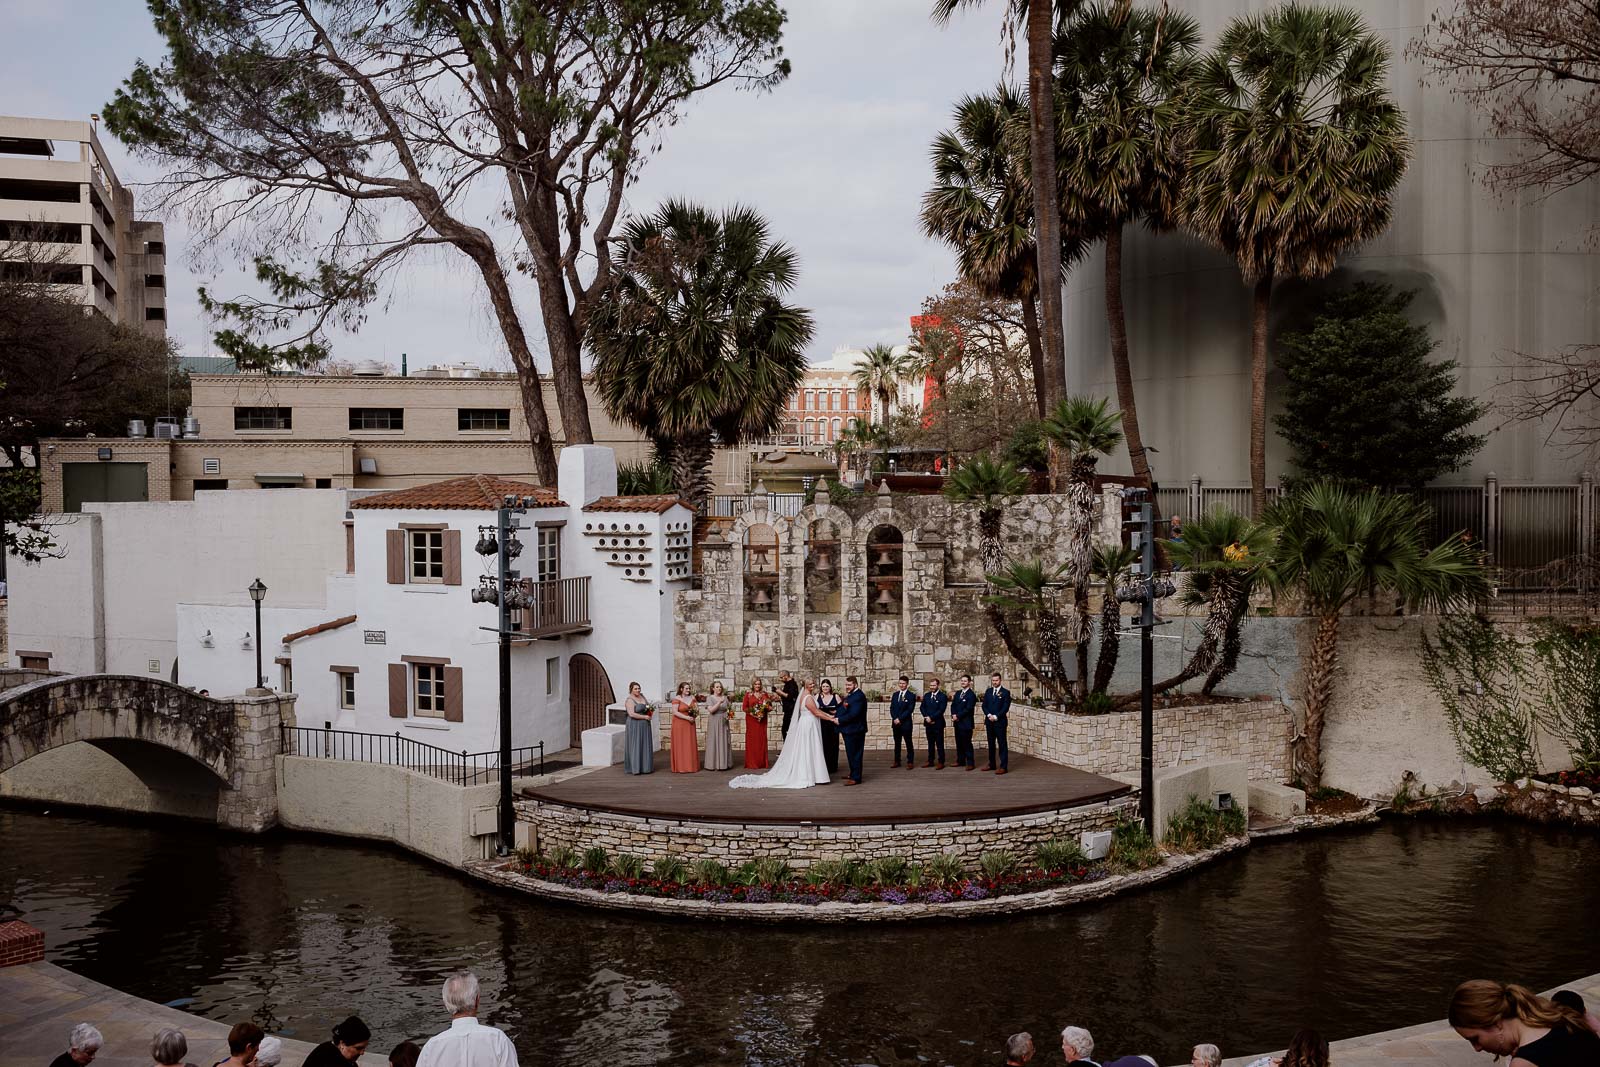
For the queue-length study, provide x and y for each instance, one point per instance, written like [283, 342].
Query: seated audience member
[1019, 1049]
[349, 1041]
[244, 1043]
[468, 1043]
[270, 1054]
[1077, 1045]
[1307, 1048]
[82, 1044]
[169, 1047]
[1569, 999]
[1509, 1020]
[1205, 1056]
[405, 1054]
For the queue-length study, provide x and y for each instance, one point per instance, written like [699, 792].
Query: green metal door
[90, 483]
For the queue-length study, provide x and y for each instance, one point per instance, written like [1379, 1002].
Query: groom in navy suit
[996, 705]
[853, 727]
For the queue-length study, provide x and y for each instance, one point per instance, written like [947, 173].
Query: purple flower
[974, 891]
[854, 896]
[758, 895]
[937, 896]
[893, 896]
[719, 896]
[615, 885]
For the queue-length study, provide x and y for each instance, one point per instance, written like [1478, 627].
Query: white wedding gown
[800, 764]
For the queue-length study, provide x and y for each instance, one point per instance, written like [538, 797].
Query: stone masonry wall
[1257, 732]
[556, 825]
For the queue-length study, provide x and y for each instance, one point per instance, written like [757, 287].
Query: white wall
[56, 605]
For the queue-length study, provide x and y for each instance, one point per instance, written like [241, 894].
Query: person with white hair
[270, 1054]
[1206, 1056]
[1019, 1049]
[1077, 1045]
[82, 1044]
[468, 1043]
[169, 1047]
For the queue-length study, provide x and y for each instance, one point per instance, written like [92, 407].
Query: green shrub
[527, 856]
[1200, 826]
[710, 872]
[626, 865]
[745, 874]
[1131, 847]
[890, 870]
[1058, 854]
[1097, 703]
[825, 872]
[564, 857]
[998, 864]
[596, 860]
[915, 878]
[944, 869]
[770, 870]
[857, 873]
[670, 869]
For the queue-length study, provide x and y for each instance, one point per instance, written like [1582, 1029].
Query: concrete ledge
[836, 912]
[1277, 801]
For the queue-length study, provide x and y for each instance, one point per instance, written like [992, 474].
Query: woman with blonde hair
[1510, 1020]
[719, 739]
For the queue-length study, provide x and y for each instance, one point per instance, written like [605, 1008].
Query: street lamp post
[258, 593]
[504, 591]
[1144, 591]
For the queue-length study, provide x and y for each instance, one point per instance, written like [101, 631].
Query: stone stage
[887, 795]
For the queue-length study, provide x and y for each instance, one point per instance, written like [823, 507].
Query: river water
[1350, 932]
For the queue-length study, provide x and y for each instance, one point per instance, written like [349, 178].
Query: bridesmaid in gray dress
[719, 740]
[638, 750]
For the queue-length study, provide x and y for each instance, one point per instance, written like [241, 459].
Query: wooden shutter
[452, 557]
[452, 694]
[399, 675]
[396, 542]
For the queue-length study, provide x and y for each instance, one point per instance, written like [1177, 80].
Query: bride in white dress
[800, 764]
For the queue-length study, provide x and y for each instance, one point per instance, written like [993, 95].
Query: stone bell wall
[941, 629]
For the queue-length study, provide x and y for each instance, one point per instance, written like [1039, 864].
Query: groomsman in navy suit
[962, 706]
[853, 727]
[996, 703]
[902, 706]
[934, 701]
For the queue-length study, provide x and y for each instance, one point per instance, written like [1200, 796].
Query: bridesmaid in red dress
[755, 733]
[685, 743]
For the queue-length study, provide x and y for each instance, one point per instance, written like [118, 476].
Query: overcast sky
[836, 158]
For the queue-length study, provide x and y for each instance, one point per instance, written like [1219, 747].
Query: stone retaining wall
[1256, 732]
[800, 846]
[838, 912]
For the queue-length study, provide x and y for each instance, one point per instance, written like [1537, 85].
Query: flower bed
[1585, 778]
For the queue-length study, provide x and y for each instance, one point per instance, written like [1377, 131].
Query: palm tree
[1335, 545]
[878, 374]
[981, 205]
[987, 483]
[1030, 588]
[692, 337]
[1083, 430]
[1038, 16]
[1223, 554]
[1110, 563]
[1120, 77]
[1296, 150]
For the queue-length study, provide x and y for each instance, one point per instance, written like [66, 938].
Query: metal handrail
[458, 768]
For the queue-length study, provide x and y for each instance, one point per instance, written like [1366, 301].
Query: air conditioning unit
[369, 368]
[136, 428]
[166, 430]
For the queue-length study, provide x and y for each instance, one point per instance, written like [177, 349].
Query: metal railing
[559, 606]
[731, 505]
[395, 750]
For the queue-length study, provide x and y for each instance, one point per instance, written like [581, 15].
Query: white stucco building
[368, 616]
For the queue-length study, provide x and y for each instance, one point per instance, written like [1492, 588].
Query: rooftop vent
[369, 368]
[136, 428]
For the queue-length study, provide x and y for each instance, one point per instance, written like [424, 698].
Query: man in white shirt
[467, 1043]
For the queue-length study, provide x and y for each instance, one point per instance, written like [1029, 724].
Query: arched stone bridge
[233, 738]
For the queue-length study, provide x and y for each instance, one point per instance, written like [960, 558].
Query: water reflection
[1349, 932]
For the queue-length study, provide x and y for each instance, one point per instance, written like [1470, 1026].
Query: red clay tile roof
[658, 504]
[321, 627]
[475, 492]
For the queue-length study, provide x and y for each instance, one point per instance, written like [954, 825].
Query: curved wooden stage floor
[885, 795]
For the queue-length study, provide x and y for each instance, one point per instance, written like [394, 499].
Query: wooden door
[590, 694]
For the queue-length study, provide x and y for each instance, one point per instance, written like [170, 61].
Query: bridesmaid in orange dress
[685, 745]
[755, 733]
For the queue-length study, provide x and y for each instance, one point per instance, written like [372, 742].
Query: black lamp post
[258, 593]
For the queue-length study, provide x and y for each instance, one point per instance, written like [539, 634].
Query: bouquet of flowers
[761, 708]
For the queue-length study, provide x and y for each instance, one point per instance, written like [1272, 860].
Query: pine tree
[1365, 406]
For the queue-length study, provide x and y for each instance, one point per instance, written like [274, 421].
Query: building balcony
[558, 608]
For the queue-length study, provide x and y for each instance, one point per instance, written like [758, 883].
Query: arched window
[885, 557]
[838, 424]
[822, 569]
[761, 571]
[833, 400]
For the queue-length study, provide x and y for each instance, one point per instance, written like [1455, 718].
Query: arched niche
[760, 571]
[885, 571]
[824, 563]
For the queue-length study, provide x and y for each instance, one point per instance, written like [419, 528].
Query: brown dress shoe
[970, 767]
[941, 765]
[897, 763]
[911, 766]
[851, 781]
[930, 764]
[988, 768]
[1002, 770]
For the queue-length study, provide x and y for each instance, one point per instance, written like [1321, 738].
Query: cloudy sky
[836, 158]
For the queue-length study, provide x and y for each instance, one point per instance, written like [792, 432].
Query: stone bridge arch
[235, 739]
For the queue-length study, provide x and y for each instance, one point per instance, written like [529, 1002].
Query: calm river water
[1350, 932]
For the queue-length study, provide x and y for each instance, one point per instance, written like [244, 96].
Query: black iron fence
[460, 768]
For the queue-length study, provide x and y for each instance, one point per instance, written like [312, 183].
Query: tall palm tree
[1083, 430]
[1296, 150]
[981, 205]
[878, 374]
[1335, 545]
[1223, 555]
[692, 337]
[1121, 76]
[1030, 587]
[987, 483]
[1038, 16]
[1110, 563]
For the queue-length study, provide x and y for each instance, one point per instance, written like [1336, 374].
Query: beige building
[59, 194]
[344, 430]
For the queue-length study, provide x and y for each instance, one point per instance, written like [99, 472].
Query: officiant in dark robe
[791, 694]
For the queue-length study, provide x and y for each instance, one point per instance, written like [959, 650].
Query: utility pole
[1145, 589]
[503, 591]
